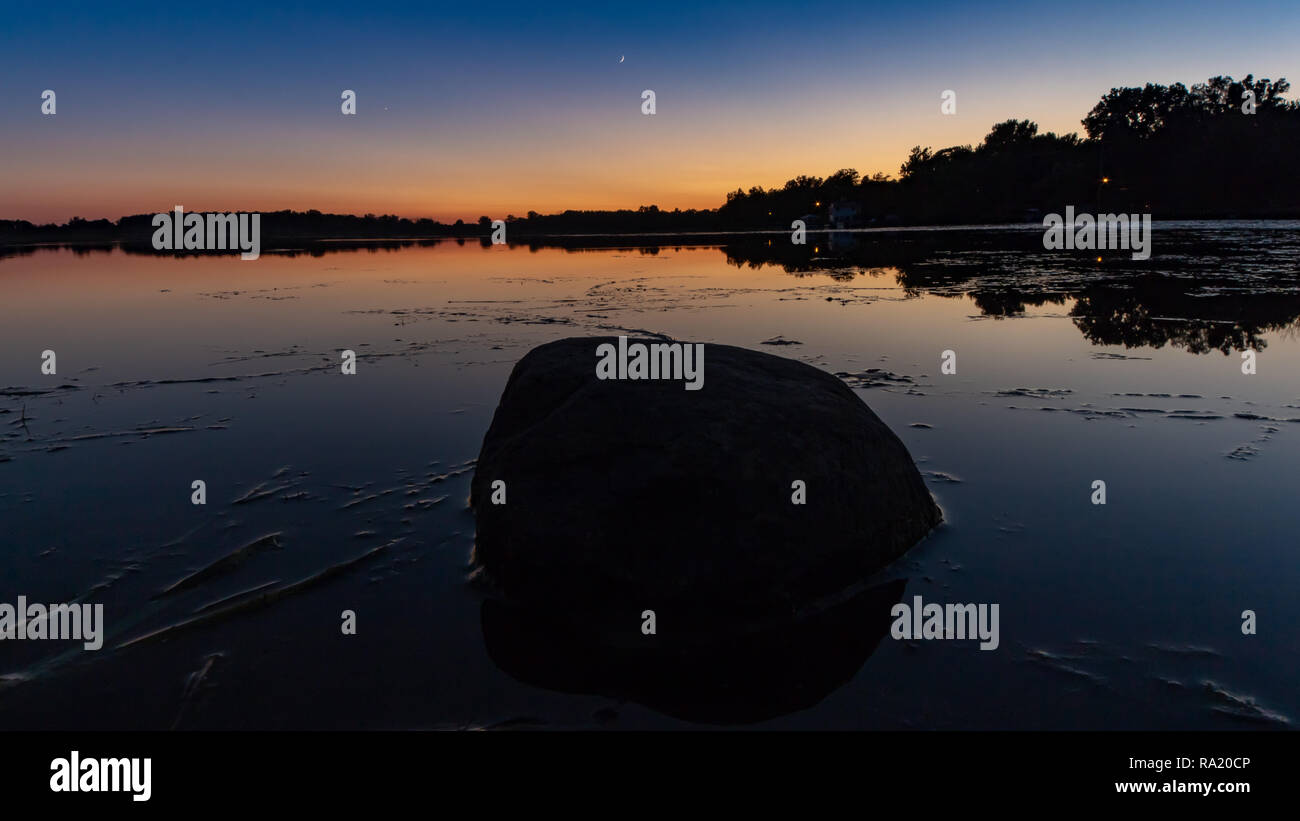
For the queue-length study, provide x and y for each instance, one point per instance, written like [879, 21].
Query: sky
[501, 108]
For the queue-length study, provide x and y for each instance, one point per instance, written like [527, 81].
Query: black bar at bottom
[203, 771]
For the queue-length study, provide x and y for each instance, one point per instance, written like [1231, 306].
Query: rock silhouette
[631, 495]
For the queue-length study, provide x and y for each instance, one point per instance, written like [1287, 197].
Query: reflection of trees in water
[1156, 312]
[1003, 302]
[1204, 290]
[1212, 291]
[312, 248]
[321, 247]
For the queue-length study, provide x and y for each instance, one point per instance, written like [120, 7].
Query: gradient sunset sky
[496, 108]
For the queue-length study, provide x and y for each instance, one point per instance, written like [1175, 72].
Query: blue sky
[493, 108]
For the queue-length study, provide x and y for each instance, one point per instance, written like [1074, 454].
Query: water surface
[1070, 369]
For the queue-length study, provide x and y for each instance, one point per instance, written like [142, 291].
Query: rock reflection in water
[743, 679]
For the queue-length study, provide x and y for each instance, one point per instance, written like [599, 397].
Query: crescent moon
[620, 58]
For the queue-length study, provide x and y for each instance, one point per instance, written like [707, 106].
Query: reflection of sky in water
[1119, 616]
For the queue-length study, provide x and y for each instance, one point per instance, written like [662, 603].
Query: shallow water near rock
[328, 492]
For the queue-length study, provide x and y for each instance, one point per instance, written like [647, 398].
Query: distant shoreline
[522, 237]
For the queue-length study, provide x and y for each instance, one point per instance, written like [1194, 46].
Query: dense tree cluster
[1168, 150]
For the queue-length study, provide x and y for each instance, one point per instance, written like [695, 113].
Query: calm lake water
[1070, 369]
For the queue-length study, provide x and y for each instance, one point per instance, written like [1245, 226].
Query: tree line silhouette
[1173, 151]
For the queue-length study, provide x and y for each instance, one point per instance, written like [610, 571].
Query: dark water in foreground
[1069, 370]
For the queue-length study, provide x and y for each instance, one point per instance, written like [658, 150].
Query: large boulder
[630, 495]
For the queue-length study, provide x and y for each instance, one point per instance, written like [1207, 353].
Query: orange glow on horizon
[589, 163]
